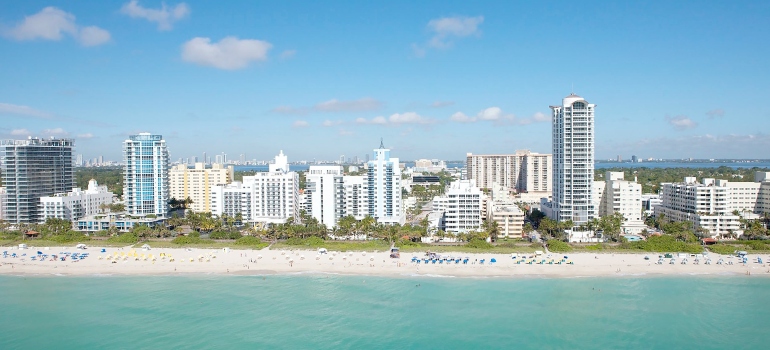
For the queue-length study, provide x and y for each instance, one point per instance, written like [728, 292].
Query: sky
[433, 79]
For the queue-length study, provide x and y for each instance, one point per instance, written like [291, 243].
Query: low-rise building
[622, 196]
[121, 221]
[713, 204]
[77, 203]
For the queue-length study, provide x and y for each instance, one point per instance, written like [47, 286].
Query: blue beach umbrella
[493, 260]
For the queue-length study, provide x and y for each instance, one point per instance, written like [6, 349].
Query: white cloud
[498, 117]
[229, 53]
[54, 132]
[460, 117]
[300, 124]
[716, 113]
[85, 136]
[93, 36]
[286, 54]
[363, 104]
[329, 123]
[439, 104]
[681, 122]
[165, 16]
[7, 108]
[541, 117]
[397, 119]
[446, 29]
[20, 132]
[52, 23]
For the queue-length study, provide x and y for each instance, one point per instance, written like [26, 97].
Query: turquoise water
[331, 311]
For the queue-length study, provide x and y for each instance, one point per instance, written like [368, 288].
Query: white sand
[359, 263]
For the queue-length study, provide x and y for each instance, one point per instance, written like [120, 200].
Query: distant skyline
[434, 79]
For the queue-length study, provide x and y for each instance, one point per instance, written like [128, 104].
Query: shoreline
[128, 261]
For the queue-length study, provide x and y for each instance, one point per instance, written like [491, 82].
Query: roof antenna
[382, 145]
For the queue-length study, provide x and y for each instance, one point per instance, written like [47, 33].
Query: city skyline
[670, 80]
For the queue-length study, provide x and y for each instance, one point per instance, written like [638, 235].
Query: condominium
[31, 169]
[383, 188]
[145, 175]
[333, 195]
[522, 171]
[502, 209]
[462, 205]
[3, 194]
[429, 165]
[622, 196]
[713, 204]
[573, 160]
[198, 182]
[270, 197]
[76, 204]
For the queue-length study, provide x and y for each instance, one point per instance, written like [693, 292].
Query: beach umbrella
[493, 260]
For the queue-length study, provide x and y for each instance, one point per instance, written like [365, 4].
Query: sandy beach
[167, 261]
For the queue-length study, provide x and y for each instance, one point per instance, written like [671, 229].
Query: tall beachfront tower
[573, 160]
[145, 175]
[31, 169]
[383, 187]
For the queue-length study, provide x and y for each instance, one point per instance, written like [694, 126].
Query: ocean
[365, 312]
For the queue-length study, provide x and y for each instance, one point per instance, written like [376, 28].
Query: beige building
[522, 171]
[197, 183]
[503, 210]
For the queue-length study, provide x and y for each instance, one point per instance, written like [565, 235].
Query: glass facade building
[145, 175]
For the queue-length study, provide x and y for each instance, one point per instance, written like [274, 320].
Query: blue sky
[435, 79]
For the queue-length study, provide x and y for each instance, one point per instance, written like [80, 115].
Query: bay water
[336, 311]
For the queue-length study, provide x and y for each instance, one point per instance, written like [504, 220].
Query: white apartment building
[145, 175]
[573, 160]
[76, 204]
[622, 196]
[270, 197]
[333, 195]
[382, 184]
[2, 200]
[711, 203]
[197, 183]
[323, 188]
[429, 166]
[462, 205]
[522, 171]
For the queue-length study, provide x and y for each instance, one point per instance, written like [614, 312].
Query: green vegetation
[112, 177]
[558, 246]
[724, 249]
[479, 244]
[225, 235]
[313, 243]
[127, 238]
[250, 242]
[651, 178]
[664, 243]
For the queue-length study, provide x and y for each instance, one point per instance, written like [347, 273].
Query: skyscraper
[573, 160]
[145, 172]
[31, 169]
[383, 187]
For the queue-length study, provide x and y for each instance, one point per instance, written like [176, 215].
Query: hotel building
[76, 204]
[522, 171]
[382, 184]
[198, 182]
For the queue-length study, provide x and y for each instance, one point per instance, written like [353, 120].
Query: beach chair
[672, 262]
[482, 261]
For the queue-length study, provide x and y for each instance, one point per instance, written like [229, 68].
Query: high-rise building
[3, 194]
[333, 195]
[522, 171]
[31, 169]
[79, 161]
[383, 188]
[77, 203]
[268, 197]
[462, 207]
[145, 175]
[197, 183]
[621, 196]
[573, 160]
